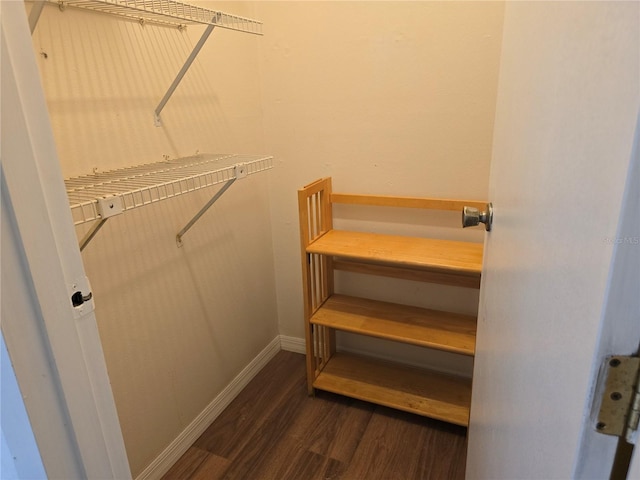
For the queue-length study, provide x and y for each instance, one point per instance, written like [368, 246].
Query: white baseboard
[189, 435]
[292, 344]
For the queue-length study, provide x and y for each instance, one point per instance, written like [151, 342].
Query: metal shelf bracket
[107, 207]
[197, 216]
[241, 171]
[92, 233]
[194, 53]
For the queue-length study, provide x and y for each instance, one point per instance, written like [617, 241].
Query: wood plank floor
[274, 431]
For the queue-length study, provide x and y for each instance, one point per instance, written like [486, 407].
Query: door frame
[48, 266]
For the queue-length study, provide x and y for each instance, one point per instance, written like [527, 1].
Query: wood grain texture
[407, 202]
[409, 252]
[316, 218]
[445, 331]
[284, 434]
[414, 390]
[471, 280]
[428, 453]
[253, 407]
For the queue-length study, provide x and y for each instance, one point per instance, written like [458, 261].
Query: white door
[54, 347]
[567, 109]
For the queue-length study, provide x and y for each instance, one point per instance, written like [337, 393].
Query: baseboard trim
[292, 344]
[189, 435]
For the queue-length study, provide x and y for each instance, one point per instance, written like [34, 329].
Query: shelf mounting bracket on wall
[241, 172]
[108, 206]
[194, 53]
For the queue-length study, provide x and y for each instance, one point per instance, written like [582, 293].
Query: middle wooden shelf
[449, 332]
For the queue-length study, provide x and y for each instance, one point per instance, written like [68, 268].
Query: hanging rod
[98, 197]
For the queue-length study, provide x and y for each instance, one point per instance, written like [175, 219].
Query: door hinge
[619, 411]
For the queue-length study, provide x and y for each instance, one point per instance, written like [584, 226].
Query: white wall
[385, 97]
[177, 325]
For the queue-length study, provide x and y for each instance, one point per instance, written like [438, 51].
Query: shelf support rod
[92, 233]
[34, 14]
[213, 200]
[181, 73]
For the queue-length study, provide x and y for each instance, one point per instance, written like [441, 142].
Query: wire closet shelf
[166, 12]
[144, 184]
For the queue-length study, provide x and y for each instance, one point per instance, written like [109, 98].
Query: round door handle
[472, 216]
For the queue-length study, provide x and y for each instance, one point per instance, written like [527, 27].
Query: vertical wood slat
[328, 262]
[314, 209]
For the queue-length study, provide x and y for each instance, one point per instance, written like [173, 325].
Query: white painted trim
[292, 344]
[47, 326]
[189, 435]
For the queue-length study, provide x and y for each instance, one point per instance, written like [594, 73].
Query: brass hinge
[619, 412]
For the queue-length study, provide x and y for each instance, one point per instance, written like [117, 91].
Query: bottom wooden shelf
[414, 390]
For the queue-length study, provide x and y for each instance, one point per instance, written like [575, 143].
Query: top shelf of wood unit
[152, 182]
[446, 256]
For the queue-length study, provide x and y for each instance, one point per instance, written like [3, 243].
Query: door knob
[472, 217]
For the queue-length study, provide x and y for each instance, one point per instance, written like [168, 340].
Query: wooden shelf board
[406, 202]
[410, 252]
[445, 331]
[425, 393]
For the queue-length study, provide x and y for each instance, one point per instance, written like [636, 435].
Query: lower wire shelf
[426, 393]
[101, 196]
[141, 185]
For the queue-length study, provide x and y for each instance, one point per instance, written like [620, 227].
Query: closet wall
[390, 98]
[385, 97]
[177, 324]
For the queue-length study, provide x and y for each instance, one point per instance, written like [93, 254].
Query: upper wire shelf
[166, 12]
[149, 183]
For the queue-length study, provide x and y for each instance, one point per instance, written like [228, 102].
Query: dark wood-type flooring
[274, 430]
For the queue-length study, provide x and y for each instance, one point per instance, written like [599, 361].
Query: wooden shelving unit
[325, 250]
